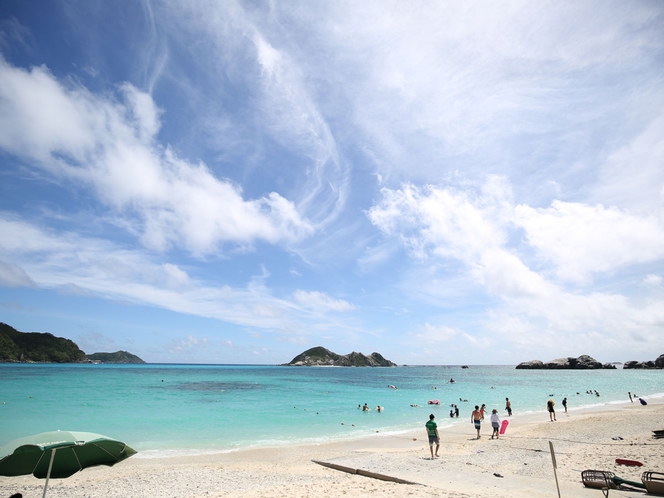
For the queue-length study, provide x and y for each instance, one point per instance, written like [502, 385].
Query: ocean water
[182, 409]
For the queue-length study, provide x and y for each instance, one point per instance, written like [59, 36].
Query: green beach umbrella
[60, 454]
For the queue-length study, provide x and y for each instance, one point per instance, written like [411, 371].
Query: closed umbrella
[60, 454]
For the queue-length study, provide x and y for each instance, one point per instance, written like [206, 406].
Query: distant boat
[464, 366]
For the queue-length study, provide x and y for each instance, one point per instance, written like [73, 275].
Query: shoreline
[582, 440]
[527, 417]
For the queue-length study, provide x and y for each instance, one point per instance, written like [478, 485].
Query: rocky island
[319, 356]
[658, 363]
[585, 362]
[42, 347]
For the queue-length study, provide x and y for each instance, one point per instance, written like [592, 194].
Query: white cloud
[633, 175]
[175, 277]
[20, 237]
[582, 240]
[86, 266]
[283, 99]
[74, 290]
[436, 333]
[577, 241]
[94, 342]
[14, 276]
[188, 343]
[469, 226]
[450, 80]
[652, 280]
[321, 301]
[505, 275]
[110, 146]
[296, 122]
[600, 323]
[445, 221]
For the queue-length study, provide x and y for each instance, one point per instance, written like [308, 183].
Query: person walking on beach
[495, 423]
[565, 404]
[552, 412]
[432, 433]
[508, 407]
[476, 418]
[482, 410]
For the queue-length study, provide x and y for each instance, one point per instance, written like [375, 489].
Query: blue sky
[235, 182]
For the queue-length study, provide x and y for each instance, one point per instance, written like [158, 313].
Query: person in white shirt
[495, 423]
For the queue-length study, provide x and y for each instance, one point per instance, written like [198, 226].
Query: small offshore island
[38, 347]
[585, 362]
[322, 357]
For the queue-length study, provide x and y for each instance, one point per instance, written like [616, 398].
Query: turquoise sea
[184, 409]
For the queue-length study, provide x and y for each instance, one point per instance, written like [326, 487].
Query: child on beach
[508, 407]
[495, 423]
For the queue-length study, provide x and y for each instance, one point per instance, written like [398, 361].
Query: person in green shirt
[432, 432]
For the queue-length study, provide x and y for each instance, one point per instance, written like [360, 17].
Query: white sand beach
[467, 467]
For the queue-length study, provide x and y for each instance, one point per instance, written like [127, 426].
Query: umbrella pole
[48, 474]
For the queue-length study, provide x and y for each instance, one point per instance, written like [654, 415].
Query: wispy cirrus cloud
[14, 276]
[69, 262]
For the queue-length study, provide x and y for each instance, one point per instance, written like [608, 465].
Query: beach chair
[654, 482]
[598, 479]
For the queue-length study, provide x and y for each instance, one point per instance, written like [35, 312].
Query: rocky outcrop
[533, 364]
[640, 364]
[659, 362]
[320, 356]
[583, 362]
[557, 364]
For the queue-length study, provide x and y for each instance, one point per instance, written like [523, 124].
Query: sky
[441, 182]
